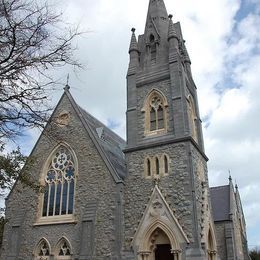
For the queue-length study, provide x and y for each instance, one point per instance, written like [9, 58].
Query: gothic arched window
[149, 168]
[42, 251]
[157, 166]
[59, 180]
[152, 48]
[63, 250]
[155, 113]
[166, 166]
[192, 118]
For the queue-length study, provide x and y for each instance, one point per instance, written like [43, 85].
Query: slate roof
[111, 143]
[220, 201]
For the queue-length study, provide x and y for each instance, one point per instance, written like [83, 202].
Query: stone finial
[170, 16]
[229, 178]
[67, 87]
[133, 43]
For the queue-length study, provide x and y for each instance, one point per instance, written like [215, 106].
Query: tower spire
[157, 17]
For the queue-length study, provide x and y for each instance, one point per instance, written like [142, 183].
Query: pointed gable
[108, 144]
[159, 215]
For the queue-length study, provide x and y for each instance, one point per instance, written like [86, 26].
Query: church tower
[167, 210]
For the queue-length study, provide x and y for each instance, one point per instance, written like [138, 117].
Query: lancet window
[157, 166]
[59, 180]
[42, 251]
[192, 118]
[166, 166]
[153, 48]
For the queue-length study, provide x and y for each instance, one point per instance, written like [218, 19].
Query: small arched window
[59, 181]
[149, 168]
[192, 118]
[63, 250]
[152, 48]
[42, 251]
[166, 166]
[157, 166]
[155, 113]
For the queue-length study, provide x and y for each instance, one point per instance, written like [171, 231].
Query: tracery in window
[59, 184]
[192, 118]
[63, 250]
[155, 113]
[42, 251]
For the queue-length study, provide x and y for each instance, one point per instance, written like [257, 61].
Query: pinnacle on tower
[172, 32]
[133, 43]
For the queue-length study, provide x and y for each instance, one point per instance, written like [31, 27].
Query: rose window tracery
[59, 184]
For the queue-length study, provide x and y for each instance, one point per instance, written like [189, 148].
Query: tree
[10, 169]
[255, 254]
[33, 40]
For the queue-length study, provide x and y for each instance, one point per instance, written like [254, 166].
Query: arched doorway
[160, 247]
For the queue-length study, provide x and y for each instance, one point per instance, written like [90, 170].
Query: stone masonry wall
[175, 187]
[94, 184]
[221, 241]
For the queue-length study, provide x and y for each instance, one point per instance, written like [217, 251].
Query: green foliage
[10, 168]
[255, 253]
[15, 166]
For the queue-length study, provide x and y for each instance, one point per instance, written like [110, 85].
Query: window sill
[55, 220]
[155, 132]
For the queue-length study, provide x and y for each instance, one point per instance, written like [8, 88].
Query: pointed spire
[157, 16]
[172, 32]
[133, 43]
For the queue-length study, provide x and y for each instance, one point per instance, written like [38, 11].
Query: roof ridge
[102, 125]
[221, 186]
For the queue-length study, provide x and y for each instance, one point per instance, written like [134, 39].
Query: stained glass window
[59, 191]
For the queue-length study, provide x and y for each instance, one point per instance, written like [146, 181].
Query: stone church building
[147, 198]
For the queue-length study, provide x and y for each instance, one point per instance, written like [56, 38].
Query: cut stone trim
[158, 215]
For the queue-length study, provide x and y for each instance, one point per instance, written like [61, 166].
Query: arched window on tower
[152, 48]
[59, 181]
[155, 113]
[149, 173]
[166, 165]
[157, 166]
[192, 118]
[42, 251]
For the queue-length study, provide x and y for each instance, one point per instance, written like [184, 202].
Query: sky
[223, 40]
